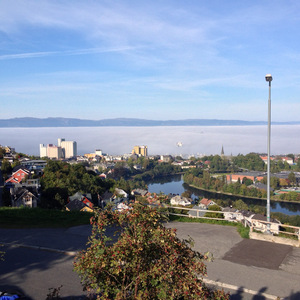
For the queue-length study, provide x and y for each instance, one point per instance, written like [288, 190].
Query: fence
[254, 224]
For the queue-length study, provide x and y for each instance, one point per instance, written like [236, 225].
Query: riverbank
[240, 196]
[175, 185]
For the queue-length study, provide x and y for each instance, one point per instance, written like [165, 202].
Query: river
[175, 185]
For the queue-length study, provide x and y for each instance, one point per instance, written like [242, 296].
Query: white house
[259, 222]
[232, 214]
[179, 200]
[205, 203]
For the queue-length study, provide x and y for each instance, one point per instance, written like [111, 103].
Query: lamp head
[269, 77]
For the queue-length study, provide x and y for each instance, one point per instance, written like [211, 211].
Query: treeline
[218, 164]
[251, 161]
[159, 169]
[286, 219]
[203, 180]
[61, 180]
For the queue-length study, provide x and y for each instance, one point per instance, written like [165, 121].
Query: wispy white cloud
[64, 53]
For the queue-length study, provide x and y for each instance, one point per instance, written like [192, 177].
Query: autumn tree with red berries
[144, 260]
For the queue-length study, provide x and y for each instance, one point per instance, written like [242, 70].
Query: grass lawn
[12, 217]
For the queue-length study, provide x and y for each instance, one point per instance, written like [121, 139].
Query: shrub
[145, 261]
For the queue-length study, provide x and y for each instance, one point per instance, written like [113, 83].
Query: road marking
[70, 253]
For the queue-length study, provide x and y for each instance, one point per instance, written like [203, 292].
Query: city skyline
[160, 60]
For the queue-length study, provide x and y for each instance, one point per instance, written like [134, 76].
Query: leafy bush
[146, 261]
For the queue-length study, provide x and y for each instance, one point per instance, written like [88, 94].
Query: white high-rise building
[69, 148]
[43, 150]
[65, 149]
[54, 152]
[59, 142]
[98, 152]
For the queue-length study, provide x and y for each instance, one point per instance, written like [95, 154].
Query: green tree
[187, 194]
[274, 182]
[147, 261]
[292, 178]
[2, 152]
[15, 163]
[240, 205]
[251, 161]
[61, 180]
[247, 181]
[6, 168]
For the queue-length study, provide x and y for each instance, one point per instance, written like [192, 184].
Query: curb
[237, 288]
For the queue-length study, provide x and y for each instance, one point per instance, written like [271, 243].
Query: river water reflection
[175, 185]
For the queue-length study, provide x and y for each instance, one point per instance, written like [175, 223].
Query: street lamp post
[269, 79]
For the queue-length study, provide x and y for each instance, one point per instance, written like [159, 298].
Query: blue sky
[155, 59]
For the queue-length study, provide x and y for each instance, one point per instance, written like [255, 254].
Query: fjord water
[160, 140]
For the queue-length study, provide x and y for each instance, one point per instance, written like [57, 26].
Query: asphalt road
[249, 269]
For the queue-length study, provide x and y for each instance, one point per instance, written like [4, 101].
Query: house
[232, 214]
[9, 150]
[205, 203]
[287, 159]
[254, 176]
[137, 167]
[179, 200]
[122, 206]
[120, 194]
[77, 205]
[86, 199]
[36, 166]
[259, 222]
[261, 186]
[103, 175]
[265, 158]
[165, 158]
[18, 174]
[139, 192]
[196, 212]
[9, 158]
[23, 197]
[107, 197]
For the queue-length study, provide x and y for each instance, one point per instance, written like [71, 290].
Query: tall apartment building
[140, 150]
[64, 149]
[69, 148]
[54, 151]
[43, 150]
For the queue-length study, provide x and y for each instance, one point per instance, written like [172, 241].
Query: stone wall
[273, 239]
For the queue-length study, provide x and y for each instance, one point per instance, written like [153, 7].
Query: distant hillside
[69, 122]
